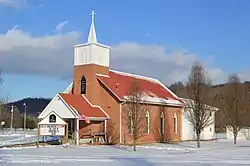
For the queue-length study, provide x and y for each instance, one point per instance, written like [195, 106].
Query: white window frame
[162, 124]
[131, 122]
[175, 123]
[148, 122]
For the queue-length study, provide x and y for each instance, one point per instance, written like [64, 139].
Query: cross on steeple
[93, 15]
[92, 33]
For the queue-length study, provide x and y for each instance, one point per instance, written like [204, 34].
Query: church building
[95, 103]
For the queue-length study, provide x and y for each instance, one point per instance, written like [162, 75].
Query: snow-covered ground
[17, 137]
[217, 153]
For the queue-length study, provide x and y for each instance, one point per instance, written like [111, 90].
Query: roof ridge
[154, 80]
[135, 75]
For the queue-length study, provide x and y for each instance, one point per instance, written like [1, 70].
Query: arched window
[130, 123]
[52, 118]
[175, 123]
[147, 122]
[162, 123]
[83, 85]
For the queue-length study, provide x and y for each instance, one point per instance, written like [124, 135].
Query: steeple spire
[92, 34]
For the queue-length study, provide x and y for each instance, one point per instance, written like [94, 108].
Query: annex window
[130, 123]
[162, 123]
[83, 85]
[147, 122]
[175, 123]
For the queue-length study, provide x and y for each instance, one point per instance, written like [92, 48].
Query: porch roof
[83, 106]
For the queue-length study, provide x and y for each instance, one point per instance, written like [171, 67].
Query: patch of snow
[159, 100]
[212, 153]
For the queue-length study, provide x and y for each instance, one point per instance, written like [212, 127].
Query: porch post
[105, 129]
[77, 131]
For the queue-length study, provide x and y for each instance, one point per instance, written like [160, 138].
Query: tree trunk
[134, 145]
[198, 140]
[235, 137]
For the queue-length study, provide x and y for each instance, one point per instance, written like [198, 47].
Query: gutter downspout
[121, 120]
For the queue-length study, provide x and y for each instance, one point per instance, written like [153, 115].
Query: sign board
[52, 125]
[52, 130]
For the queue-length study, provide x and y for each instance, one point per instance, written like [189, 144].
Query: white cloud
[156, 61]
[12, 3]
[52, 55]
[22, 53]
[61, 25]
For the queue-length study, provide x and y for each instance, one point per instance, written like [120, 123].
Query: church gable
[53, 118]
[59, 107]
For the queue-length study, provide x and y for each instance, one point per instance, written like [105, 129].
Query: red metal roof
[83, 106]
[120, 84]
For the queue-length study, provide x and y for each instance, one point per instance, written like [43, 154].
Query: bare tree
[178, 88]
[233, 103]
[198, 96]
[1, 102]
[112, 134]
[136, 115]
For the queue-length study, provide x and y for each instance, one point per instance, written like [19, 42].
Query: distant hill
[33, 105]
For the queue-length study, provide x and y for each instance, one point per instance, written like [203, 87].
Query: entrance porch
[87, 123]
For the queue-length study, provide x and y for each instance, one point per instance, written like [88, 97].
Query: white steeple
[92, 34]
[91, 52]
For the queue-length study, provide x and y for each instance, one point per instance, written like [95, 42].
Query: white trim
[97, 118]
[69, 88]
[105, 129]
[86, 44]
[175, 123]
[77, 131]
[95, 106]
[135, 76]
[159, 101]
[148, 122]
[172, 93]
[57, 97]
[102, 75]
[69, 107]
[163, 123]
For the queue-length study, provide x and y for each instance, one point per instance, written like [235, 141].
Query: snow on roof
[119, 83]
[185, 100]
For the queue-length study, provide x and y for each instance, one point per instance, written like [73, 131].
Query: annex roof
[83, 106]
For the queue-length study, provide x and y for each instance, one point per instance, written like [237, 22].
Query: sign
[52, 130]
[52, 118]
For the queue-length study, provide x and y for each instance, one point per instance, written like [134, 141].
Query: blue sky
[37, 57]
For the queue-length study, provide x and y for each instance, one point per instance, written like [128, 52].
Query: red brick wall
[88, 129]
[97, 95]
[154, 125]
[92, 85]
